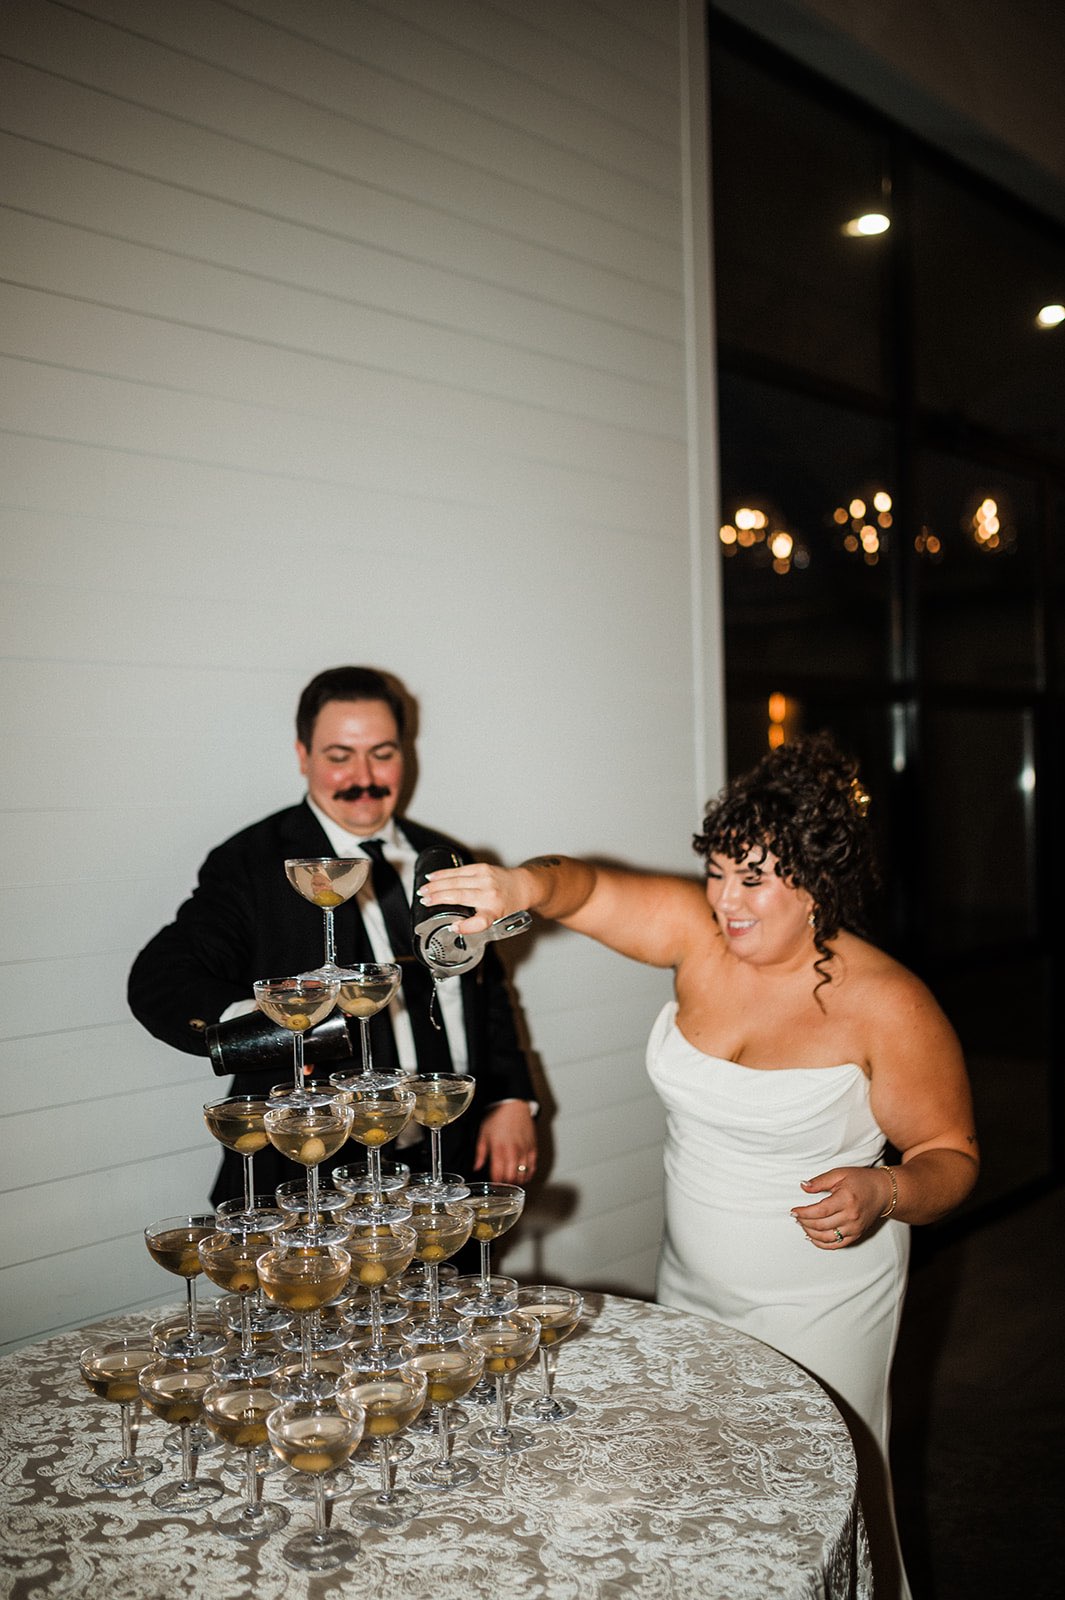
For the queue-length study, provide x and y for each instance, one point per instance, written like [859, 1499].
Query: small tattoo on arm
[970, 1138]
[544, 861]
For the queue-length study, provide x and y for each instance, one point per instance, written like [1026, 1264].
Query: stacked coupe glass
[342, 1335]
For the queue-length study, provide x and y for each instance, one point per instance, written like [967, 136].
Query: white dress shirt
[400, 854]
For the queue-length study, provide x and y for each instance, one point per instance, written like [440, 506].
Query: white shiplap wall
[330, 332]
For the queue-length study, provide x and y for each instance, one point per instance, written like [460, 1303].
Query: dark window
[892, 442]
[977, 810]
[788, 175]
[981, 275]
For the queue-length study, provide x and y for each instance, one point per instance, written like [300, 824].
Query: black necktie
[430, 1042]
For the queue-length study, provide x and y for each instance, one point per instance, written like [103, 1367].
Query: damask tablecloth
[700, 1465]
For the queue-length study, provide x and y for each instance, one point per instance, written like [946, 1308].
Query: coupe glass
[378, 1116]
[558, 1312]
[439, 1099]
[302, 1280]
[390, 1403]
[413, 1287]
[314, 1091]
[237, 1122]
[329, 1331]
[451, 1371]
[441, 1231]
[264, 1337]
[314, 1437]
[229, 1260]
[309, 1134]
[324, 1332]
[264, 1216]
[170, 1337]
[236, 1410]
[425, 1190]
[236, 1216]
[329, 1224]
[329, 1368]
[357, 1182]
[503, 1292]
[174, 1244]
[496, 1208]
[509, 1343]
[327, 881]
[111, 1369]
[174, 1389]
[468, 1296]
[296, 1004]
[366, 989]
[361, 1312]
[377, 1254]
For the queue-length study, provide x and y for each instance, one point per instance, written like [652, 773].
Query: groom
[244, 921]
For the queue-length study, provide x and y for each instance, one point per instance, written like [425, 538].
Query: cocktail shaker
[437, 946]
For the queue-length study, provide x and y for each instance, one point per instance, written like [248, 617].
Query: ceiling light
[1050, 316]
[867, 225]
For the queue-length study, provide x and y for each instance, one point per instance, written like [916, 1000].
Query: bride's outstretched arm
[646, 916]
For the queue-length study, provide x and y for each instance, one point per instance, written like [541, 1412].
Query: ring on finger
[839, 1237]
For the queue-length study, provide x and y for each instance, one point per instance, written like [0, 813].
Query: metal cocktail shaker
[437, 946]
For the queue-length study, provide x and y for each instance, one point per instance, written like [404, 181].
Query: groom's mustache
[373, 791]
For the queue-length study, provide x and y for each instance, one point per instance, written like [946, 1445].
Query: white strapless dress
[739, 1140]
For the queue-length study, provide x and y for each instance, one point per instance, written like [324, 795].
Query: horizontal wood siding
[332, 332]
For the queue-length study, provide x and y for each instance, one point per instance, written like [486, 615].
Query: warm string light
[866, 524]
[863, 526]
[750, 526]
[987, 527]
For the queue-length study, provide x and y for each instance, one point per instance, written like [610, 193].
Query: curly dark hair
[803, 804]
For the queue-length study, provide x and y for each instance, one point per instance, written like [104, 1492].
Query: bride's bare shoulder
[872, 978]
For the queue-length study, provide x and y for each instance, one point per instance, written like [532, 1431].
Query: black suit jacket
[244, 921]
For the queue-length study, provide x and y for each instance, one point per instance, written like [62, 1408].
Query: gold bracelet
[894, 1192]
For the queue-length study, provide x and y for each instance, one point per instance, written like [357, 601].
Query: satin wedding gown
[739, 1140]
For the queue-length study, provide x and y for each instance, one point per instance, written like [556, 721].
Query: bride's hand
[855, 1199]
[493, 892]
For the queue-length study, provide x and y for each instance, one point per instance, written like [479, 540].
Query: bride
[793, 1055]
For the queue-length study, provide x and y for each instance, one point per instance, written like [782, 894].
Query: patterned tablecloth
[700, 1466]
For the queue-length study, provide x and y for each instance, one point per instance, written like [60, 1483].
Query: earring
[812, 918]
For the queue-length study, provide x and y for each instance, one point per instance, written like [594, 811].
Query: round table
[700, 1465]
